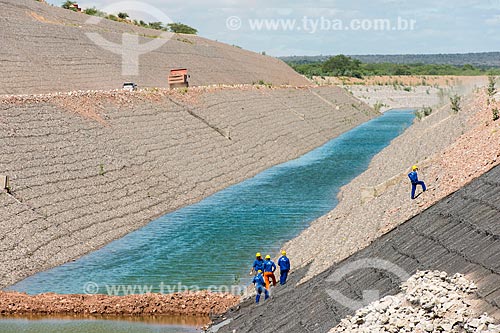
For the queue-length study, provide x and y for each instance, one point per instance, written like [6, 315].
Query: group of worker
[264, 272]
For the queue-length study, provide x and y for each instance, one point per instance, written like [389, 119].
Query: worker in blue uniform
[269, 268]
[258, 281]
[284, 264]
[258, 264]
[414, 181]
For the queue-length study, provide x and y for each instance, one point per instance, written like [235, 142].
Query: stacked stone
[431, 301]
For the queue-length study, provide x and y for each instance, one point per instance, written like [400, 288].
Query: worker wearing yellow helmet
[269, 268]
[284, 264]
[414, 181]
[258, 264]
[258, 281]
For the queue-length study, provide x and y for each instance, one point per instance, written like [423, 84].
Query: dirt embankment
[47, 49]
[87, 168]
[391, 92]
[200, 303]
[406, 80]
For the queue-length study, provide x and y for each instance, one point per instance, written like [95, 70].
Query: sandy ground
[435, 81]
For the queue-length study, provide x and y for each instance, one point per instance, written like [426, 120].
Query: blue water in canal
[213, 242]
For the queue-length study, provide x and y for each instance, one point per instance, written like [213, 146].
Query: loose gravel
[430, 301]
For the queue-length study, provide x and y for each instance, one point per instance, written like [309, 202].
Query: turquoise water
[213, 242]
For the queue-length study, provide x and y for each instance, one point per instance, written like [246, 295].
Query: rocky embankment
[199, 303]
[430, 301]
[89, 167]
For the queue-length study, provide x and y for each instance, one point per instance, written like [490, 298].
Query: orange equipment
[178, 78]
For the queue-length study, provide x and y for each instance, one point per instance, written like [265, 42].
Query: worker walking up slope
[258, 281]
[269, 268]
[414, 181]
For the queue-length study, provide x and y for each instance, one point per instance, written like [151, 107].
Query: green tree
[156, 25]
[94, 12]
[68, 4]
[341, 65]
[402, 70]
[123, 16]
[181, 28]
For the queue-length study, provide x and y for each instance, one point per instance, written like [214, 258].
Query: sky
[323, 27]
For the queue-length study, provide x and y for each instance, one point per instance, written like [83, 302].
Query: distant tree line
[124, 17]
[478, 59]
[342, 65]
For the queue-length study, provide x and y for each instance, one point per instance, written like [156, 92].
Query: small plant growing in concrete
[101, 170]
[423, 112]
[455, 103]
[492, 90]
[378, 106]
[496, 114]
[427, 110]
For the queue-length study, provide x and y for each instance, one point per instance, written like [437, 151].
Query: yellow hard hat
[258, 254]
[283, 252]
[268, 257]
[413, 168]
[259, 271]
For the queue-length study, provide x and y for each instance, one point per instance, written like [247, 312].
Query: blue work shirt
[413, 177]
[284, 263]
[269, 266]
[258, 264]
[258, 280]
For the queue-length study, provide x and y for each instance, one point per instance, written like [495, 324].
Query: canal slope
[452, 150]
[459, 234]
